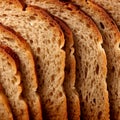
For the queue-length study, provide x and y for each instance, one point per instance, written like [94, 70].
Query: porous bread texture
[111, 41]
[5, 110]
[10, 80]
[112, 7]
[46, 40]
[11, 39]
[90, 58]
[73, 103]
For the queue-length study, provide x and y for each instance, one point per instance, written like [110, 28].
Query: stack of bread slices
[59, 60]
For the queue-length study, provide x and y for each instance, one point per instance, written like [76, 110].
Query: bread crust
[103, 14]
[75, 10]
[9, 54]
[4, 101]
[112, 7]
[78, 12]
[110, 45]
[22, 42]
[73, 105]
[5, 30]
[30, 10]
[41, 13]
[19, 4]
[12, 54]
[12, 57]
[44, 15]
[109, 20]
[64, 7]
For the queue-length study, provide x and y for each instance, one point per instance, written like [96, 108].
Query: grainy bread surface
[5, 110]
[73, 103]
[111, 41]
[27, 67]
[10, 80]
[44, 36]
[112, 7]
[90, 58]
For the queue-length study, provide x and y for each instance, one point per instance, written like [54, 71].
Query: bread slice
[73, 103]
[112, 7]
[46, 40]
[10, 80]
[5, 110]
[111, 41]
[11, 39]
[90, 58]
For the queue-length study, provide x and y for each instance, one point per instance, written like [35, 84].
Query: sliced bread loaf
[73, 103]
[5, 110]
[10, 80]
[112, 7]
[111, 41]
[11, 39]
[90, 58]
[46, 40]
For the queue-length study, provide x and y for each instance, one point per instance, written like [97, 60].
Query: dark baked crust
[73, 103]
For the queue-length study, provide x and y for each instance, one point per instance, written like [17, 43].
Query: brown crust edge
[69, 42]
[16, 36]
[77, 11]
[108, 19]
[12, 57]
[45, 15]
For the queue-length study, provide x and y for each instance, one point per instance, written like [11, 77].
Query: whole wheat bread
[73, 103]
[112, 7]
[5, 110]
[10, 80]
[111, 41]
[13, 40]
[90, 58]
[46, 40]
